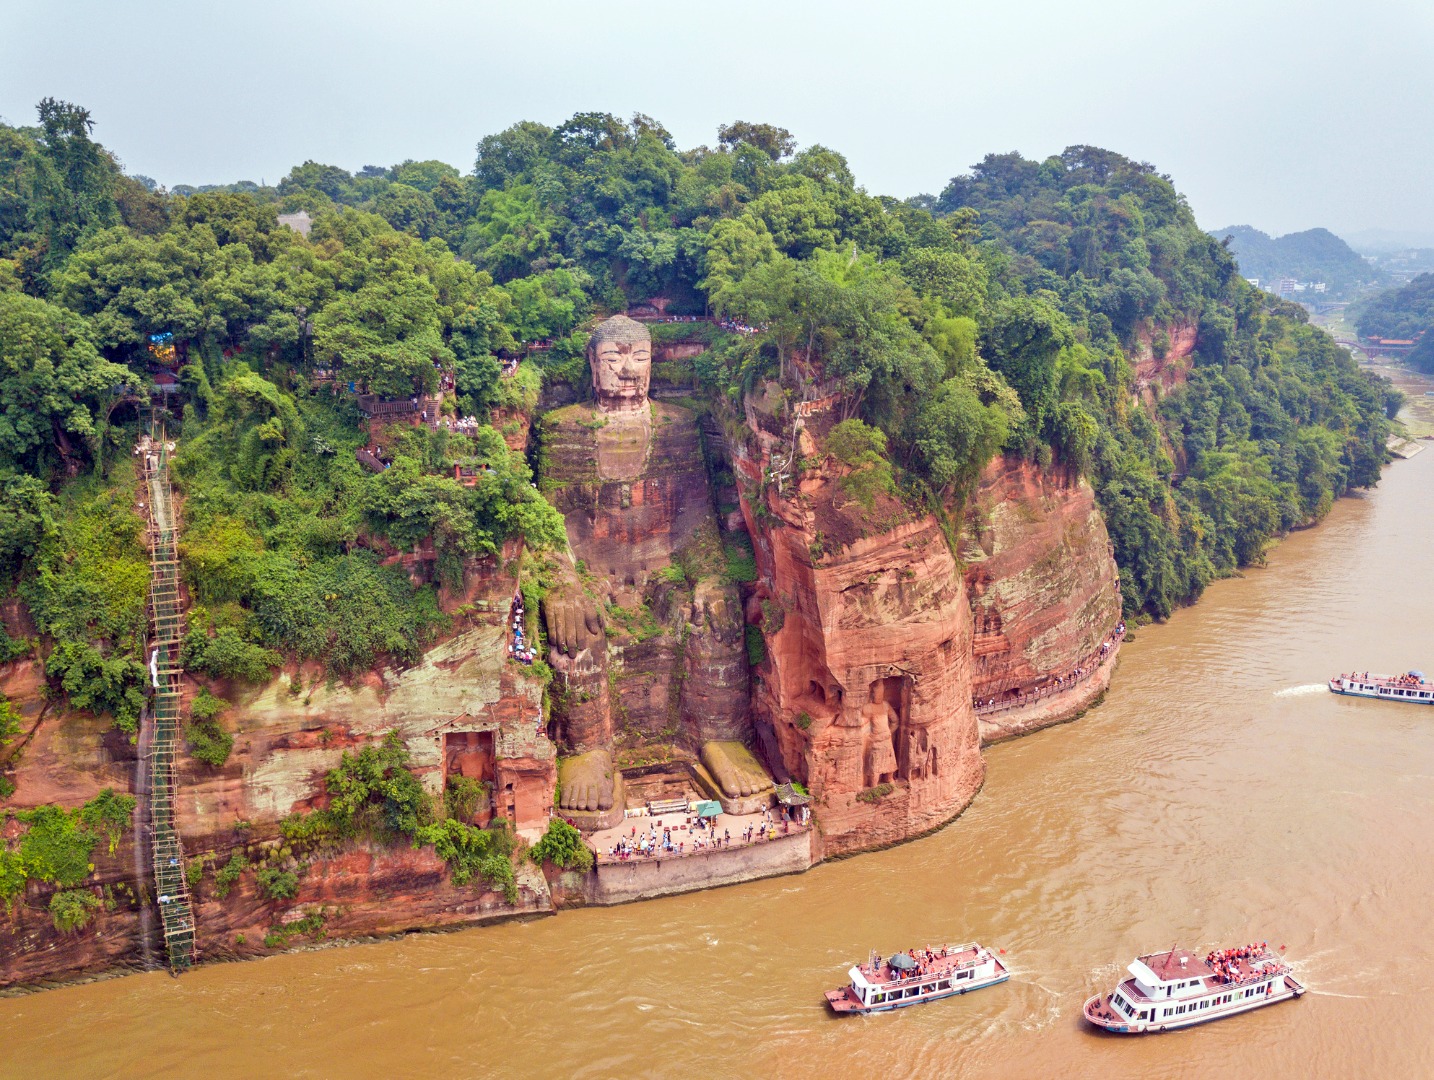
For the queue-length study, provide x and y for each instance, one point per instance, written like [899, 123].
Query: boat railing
[1386, 680]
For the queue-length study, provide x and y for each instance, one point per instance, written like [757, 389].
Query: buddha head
[620, 356]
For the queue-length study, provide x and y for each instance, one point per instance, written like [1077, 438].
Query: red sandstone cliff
[463, 708]
[1162, 355]
[866, 685]
[1044, 590]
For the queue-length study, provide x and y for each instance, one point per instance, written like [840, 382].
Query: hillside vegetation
[1003, 315]
[1406, 313]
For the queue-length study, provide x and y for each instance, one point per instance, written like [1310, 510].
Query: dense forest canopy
[1403, 314]
[1004, 315]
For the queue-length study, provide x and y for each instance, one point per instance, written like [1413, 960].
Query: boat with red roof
[915, 977]
[1412, 686]
[1178, 989]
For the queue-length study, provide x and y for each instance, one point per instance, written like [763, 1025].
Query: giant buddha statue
[645, 637]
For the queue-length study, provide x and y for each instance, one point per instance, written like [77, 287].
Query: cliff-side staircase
[166, 621]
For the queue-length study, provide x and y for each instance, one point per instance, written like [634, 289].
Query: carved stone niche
[471, 754]
[894, 748]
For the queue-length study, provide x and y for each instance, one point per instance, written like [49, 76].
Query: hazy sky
[1283, 114]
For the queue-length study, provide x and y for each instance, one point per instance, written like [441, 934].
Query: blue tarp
[708, 809]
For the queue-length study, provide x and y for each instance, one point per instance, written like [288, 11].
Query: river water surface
[1219, 795]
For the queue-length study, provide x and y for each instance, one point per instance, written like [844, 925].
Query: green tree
[386, 335]
[55, 388]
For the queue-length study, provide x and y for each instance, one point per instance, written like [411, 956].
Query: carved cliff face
[620, 358]
[867, 681]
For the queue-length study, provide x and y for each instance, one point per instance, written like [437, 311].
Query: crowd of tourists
[1064, 681]
[702, 834]
[1225, 963]
[518, 649]
[464, 425]
[732, 326]
[925, 960]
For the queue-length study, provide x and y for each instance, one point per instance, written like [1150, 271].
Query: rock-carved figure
[879, 725]
[630, 482]
[620, 359]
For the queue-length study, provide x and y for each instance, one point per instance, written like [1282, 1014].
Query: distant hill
[1312, 255]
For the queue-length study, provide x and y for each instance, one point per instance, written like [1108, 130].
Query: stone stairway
[166, 629]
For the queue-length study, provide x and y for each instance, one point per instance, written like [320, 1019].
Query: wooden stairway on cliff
[167, 627]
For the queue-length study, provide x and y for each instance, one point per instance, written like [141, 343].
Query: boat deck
[935, 976]
[1241, 971]
[931, 963]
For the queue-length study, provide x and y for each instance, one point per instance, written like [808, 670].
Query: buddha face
[621, 372]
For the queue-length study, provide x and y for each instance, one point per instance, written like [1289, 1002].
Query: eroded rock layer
[866, 682]
[464, 709]
[1042, 580]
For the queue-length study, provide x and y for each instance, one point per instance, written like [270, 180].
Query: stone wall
[642, 879]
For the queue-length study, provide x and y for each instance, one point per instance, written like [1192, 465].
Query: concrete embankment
[645, 878]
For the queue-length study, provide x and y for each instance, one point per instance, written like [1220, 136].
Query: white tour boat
[915, 977]
[1412, 686]
[1177, 989]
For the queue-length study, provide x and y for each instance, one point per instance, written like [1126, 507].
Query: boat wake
[1301, 691]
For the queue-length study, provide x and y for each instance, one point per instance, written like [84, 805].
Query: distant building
[1318, 286]
[1288, 286]
[301, 223]
[1254, 281]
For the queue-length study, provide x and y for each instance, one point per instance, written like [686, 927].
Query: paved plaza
[685, 835]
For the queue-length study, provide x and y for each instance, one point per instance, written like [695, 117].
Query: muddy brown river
[1218, 795]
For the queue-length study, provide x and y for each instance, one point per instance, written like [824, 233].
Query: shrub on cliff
[473, 852]
[563, 846]
[227, 875]
[277, 884]
[376, 787]
[227, 655]
[9, 722]
[59, 845]
[208, 741]
[86, 590]
[72, 909]
[371, 793]
[462, 796]
[863, 450]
